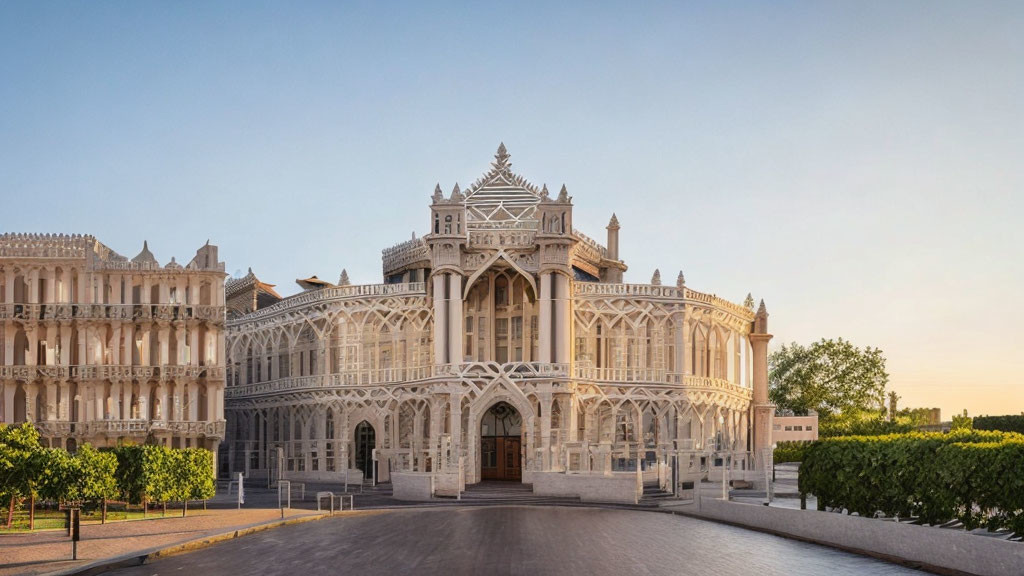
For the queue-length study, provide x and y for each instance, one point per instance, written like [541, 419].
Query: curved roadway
[526, 540]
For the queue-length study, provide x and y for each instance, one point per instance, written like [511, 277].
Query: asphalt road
[515, 540]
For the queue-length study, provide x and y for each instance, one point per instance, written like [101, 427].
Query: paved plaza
[516, 540]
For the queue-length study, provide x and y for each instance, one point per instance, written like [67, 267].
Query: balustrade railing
[127, 312]
[133, 427]
[512, 370]
[109, 372]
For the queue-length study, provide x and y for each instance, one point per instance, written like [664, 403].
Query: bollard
[76, 531]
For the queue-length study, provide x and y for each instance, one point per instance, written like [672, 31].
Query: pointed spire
[438, 196]
[343, 279]
[761, 310]
[749, 302]
[680, 280]
[563, 194]
[544, 193]
[614, 222]
[456, 194]
[501, 158]
[656, 279]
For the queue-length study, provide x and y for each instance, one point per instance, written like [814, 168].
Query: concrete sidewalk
[50, 552]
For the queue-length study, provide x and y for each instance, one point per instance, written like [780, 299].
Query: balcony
[135, 428]
[480, 370]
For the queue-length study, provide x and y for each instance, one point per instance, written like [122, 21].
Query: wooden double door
[501, 458]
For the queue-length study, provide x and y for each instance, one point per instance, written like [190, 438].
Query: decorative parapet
[405, 254]
[642, 290]
[718, 302]
[330, 294]
[589, 248]
[655, 291]
[86, 247]
[57, 246]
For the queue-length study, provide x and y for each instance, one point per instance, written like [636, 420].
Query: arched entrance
[365, 442]
[501, 443]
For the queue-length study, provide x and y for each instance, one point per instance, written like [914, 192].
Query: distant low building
[790, 428]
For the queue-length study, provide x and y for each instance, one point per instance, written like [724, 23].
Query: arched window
[700, 351]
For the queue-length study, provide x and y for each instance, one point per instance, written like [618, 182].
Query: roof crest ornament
[656, 278]
[749, 302]
[680, 280]
[438, 196]
[563, 194]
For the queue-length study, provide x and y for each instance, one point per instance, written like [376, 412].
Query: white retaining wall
[619, 488]
[937, 547]
[416, 486]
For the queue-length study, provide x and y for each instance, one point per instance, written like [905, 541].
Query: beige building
[98, 348]
[503, 344]
[790, 428]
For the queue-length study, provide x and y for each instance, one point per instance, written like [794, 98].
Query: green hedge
[976, 477]
[790, 452]
[1009, 423]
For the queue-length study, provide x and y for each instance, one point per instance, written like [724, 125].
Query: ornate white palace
[501, 345]
[98, 348]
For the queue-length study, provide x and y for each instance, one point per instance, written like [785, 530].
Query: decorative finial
[680, 280]
[614, 222]
[749, 302]
[563, 194]
[761, 310]
[544, 192]
[343, 279]
[501, 158]
[414, 235]
[250, 271]
[438, 196]
[656, 279]
[456, 193]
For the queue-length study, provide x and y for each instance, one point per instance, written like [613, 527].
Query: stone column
[51, 401]
[126, 399]
[455, 319]
[9, 389]
[440, 320]
[64, 403]
[545, 430]
[562, 321]
[764, 411]
[544, 320]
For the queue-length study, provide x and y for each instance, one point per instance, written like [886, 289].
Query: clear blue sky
[856, 164]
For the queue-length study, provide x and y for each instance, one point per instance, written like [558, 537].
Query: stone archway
[364, 441]
[501, 442]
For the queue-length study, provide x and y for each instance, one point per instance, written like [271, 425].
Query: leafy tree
[831, 377]
[962, 422]
[21, 462]
[60, 476]
[96, 481]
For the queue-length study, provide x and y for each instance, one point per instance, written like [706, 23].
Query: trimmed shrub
[1009, 423]
[976, 477]
[790, 452]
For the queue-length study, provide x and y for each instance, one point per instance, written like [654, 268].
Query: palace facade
[98, 348]
[503, 344]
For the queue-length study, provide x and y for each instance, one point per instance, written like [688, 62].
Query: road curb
[139, 558]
